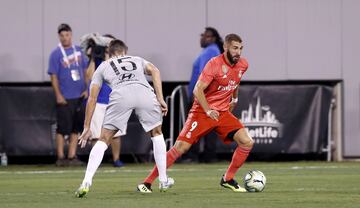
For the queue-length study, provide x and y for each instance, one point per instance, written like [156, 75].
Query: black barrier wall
[27, 116]
[281, 118]
[28, 124]
[284, 118]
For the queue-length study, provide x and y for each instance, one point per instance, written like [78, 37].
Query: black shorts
[70, 117]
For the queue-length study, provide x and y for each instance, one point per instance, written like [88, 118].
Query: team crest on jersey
[224, 70]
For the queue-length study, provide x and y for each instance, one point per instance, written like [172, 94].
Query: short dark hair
[117, 45]
[233, 37]
[64, 27]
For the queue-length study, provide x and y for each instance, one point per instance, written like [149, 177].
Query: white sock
[159, 148]
[95, 158]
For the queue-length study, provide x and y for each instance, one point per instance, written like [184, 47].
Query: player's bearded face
[233, 52]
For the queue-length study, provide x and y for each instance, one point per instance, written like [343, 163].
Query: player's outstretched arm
[90, 107]
[200, 96]
[156, 78]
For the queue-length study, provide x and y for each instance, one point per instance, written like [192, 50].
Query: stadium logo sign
[261, 123]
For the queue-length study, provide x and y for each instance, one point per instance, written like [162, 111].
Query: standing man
[216, 94]
[102, 103]
[212, 45]
[130, 91]
[67, 67]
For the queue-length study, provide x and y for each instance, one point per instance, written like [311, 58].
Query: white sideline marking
[123, 170]
[311, 189]
[298, 168]
[83, 171]
[36, 193]
[40, 172]
[313, 167]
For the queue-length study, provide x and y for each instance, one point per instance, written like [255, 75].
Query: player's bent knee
[106, 141]
[156, 131]
[106, 138]
[250, 142]
[243, 139]
[247, 142]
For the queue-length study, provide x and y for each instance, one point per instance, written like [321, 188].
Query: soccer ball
[254, 181]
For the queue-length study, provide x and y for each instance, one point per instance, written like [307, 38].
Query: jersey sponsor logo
[126, 76]
[231, 86]
[261, 123]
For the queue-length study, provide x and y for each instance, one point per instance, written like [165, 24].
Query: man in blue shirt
[67, 67]
[212, 44]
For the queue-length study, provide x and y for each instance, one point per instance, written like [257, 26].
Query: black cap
[64, 27]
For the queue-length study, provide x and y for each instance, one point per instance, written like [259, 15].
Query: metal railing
[180, 93]
[330, 143]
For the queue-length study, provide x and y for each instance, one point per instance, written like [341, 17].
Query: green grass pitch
[295, 184]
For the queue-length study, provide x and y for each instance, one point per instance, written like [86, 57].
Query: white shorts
[131, 98]
[97, 121]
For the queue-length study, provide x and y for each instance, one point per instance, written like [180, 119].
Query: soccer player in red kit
[216, 94]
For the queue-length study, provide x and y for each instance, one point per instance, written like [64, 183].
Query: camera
[97, 51]
[94, 45]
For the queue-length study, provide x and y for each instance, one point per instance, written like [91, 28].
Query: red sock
[239, 157]
[171, 157]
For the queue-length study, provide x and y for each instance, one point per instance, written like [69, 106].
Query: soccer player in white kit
[130, 91]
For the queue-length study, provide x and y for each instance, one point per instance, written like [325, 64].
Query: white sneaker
[164, 186]
[82, 190]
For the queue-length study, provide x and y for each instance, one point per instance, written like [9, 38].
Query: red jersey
[223, 79]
